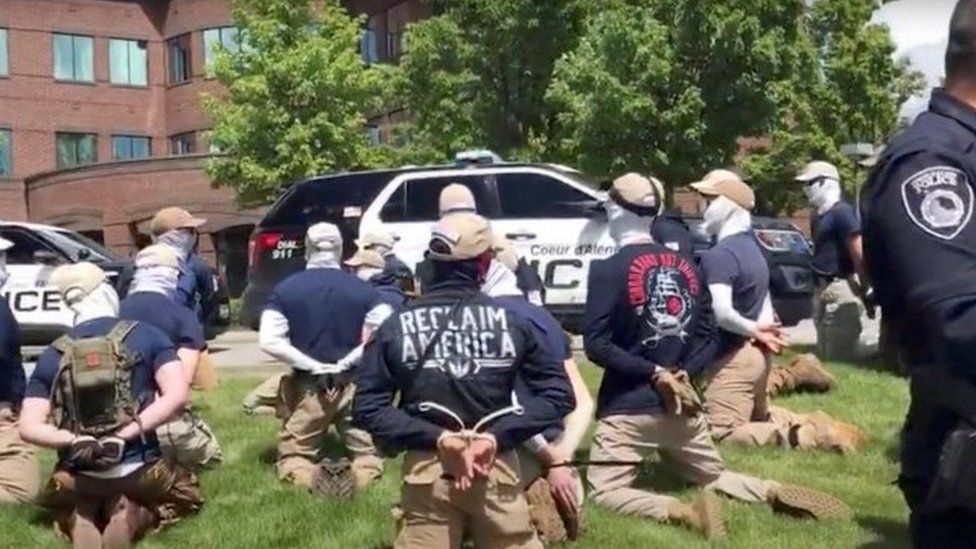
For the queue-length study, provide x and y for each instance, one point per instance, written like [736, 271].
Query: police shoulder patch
[939, 200]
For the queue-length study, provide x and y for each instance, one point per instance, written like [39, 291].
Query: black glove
[112, 449]
[870, 303]
[84, 453]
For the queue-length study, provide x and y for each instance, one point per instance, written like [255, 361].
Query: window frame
[185, 39]
[6, 144]
[74, 65]
[4, 52]
[177, 137]
[502, 214]
[94, 148]
[220, 30]
[131, 137]
[128, 52]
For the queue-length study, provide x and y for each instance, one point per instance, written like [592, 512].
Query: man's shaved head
[960, 59]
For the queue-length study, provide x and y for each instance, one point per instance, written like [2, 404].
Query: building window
[5, 148]
[130, 146]
[4, 70]
[227, 37]
[178, 54]
[76, 148]
[369, 46]
[183, 143]
[374, 135]
[73, 58]
[127, 62]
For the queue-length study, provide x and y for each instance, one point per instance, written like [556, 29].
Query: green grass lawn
[247, 507]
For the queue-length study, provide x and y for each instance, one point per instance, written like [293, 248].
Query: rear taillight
[259, 243]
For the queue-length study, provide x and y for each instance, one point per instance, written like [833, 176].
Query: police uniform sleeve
[548, 399]
[704, 343]
[42, 379]
[598, 319]
[373, 407]
[919, 216]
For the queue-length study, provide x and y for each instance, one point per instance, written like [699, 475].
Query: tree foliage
[296, 94]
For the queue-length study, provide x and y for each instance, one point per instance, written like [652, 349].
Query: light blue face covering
[161, 280]
[181, 240]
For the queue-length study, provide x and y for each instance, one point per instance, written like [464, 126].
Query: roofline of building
[139, 165]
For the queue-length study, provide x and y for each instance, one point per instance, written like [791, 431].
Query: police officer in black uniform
[921, 252]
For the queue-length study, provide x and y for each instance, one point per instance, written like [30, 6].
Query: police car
[37, 250]
[549, 211]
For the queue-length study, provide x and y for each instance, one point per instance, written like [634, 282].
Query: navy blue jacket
[458, 348]
[389, 290]
[920, 238]
[325, 309]
[12, 379]
[646, 305]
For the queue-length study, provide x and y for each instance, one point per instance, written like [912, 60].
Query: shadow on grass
[890, 534]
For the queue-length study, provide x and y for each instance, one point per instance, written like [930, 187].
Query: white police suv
[549, 211]
[36, 251]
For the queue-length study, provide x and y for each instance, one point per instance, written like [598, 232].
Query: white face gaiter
[100, 303]
[723, 218]
[500, 280]
[316, 258]
[180, 240]
[160, 280]
[823, 194]
[366, 273]
[626, 227]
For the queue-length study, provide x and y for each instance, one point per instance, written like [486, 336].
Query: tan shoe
[819, 430]
[805, 502]
[702, 514]
[804, 373]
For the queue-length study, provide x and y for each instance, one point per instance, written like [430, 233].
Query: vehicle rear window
[329, 199]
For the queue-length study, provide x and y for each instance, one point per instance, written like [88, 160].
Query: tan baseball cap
[81, 277]
[366, 258]
[634, 192]
[505, 252]
[323, 236]
[457, 198]
[157, 255]
[460, 236]
[728, 184]
[169, 219]
[376, 238]
[818, 169]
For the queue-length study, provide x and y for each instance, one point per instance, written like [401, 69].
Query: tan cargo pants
[837, 315]
[493, 512]
[109, 513]
[303, 433]
[683, 441]
[263, 399]
[736, 403]
[19, 475]
[189, 441]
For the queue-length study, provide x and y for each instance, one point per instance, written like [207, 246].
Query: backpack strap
[119, 332]
[62, 344]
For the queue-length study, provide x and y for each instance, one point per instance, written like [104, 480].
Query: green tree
[476, 74]
[850, 90]
[294, 100]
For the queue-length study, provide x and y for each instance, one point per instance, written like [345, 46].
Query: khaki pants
[19, 476]
[264, 397]
[683, 441]
[109, 513]
[837, 315]
[303, 433]
[493, 512]
[188, 440]
[736, 402]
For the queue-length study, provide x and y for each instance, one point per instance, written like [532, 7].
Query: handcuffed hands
[86, 453]
[466, 455]
[677, 393]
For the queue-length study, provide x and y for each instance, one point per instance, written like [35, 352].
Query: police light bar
[477, 156]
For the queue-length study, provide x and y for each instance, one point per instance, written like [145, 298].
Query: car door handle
[520, 236]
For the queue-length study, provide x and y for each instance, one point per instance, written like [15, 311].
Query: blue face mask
[181, 240]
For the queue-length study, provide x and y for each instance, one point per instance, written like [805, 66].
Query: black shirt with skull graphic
[646, 306]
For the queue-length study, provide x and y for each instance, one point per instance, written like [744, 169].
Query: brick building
[100, 116]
